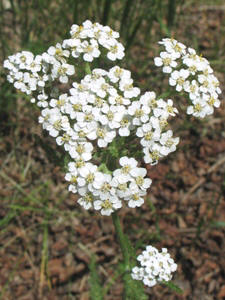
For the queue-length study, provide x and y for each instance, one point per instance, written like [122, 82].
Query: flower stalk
[126, 257]
[121, 239]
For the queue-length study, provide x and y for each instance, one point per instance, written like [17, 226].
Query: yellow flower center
[90, 178]
[139, 180]
[136, 197]
[106, 204]
[124, 123]
[110, 115]
[80, 148]
[101, 133]
[60, 102]
[77, 107]
[106, 187]
[65, 137]
[89, 117]
[73, 179]
[169, 143]
[167, 61]
[180, 81]
[80, 163]
[58, 51]
[88, 198]
[148, 135]
[197, 107]
[139, 113]
[126, 169]
[57, 125]
[122, 186]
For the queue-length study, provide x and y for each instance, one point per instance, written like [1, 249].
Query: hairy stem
[126, 258]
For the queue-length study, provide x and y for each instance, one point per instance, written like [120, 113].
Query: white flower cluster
[31, 73]
[155, 267]
[192, 74]
[87, 38]
[105, 192]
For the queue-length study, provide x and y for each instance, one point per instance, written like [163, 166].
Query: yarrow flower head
[191, 73]
[155, 267]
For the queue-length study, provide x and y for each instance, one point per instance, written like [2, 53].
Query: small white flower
[192, 88]
[178, 79]
[90, 50]
[121, 186]
[152, 154]
[104, 136]
[199, 108]
[167, 60]
[60, 103]
[126, 86]
[86, 200]
[81, 150]
[116, 73]
[148, 135]
[73, 177]
[89, 173]
[116, 50]
[165, 109]
[24, 59]
[135, 198]
[62, 71]
[139, 112]
[149, 99]
[59, 52]
[107, 205]
[127, 164]
[112, 115]
[169, 144]
[139, 180]
[137, 273]
[125, 126]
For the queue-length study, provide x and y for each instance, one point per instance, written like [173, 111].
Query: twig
[203, 179]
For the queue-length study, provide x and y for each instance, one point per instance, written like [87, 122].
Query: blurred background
[46, 239]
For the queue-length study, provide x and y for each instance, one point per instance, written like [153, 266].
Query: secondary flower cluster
[155, 266]
[31, 73]
[87, 38]
[192, 74]
[105, 192]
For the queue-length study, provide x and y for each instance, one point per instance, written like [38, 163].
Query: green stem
[121, 238]
[126, 258]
